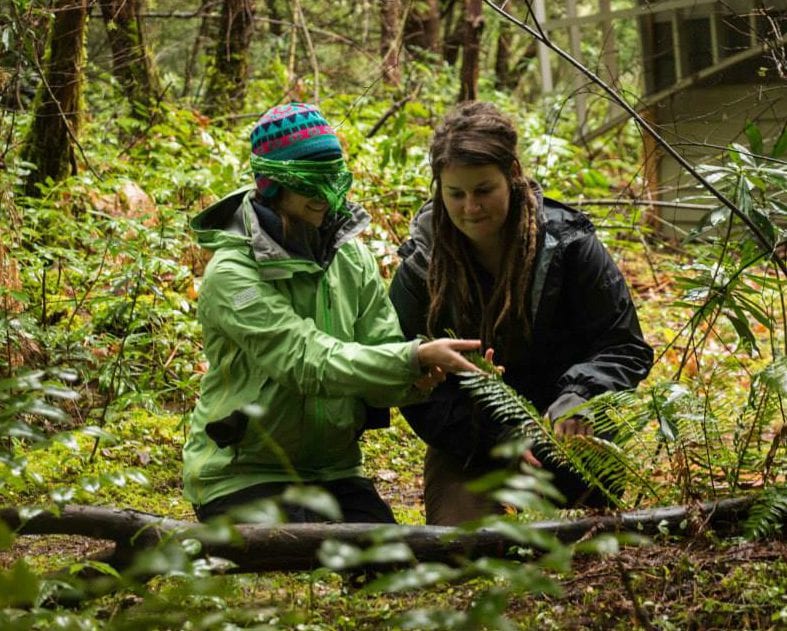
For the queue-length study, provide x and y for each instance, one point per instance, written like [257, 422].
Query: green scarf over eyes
[326, 179]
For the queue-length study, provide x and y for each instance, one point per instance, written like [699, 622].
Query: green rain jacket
[311, 346]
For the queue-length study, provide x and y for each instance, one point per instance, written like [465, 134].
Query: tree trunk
[276, 18]
[503, 61]
[390, 12]
[207, 33]
[474, 24]
[228, 73]
[453, 29]
[422, 28]
[131, 63]
[52, 138]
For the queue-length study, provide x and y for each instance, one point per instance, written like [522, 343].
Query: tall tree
[52, 137]
[471, 45]
[208, 27]
[275, 18]
[422, 27]
[390, 14]
[453, 29]
[131, 63]
[229, 70]
[502, 60]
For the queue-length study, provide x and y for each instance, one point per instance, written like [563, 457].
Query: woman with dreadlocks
[304, 347]
[490, 257]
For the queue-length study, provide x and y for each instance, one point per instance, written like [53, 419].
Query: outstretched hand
[446, 354]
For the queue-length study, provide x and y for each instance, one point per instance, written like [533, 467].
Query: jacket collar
[232, 222]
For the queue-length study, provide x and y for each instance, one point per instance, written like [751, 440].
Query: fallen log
[294, 547]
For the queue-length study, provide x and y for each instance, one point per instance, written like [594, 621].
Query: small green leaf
[67, 439]
[388, 553]
[91, 483]
[135, 475]
[192, 546]
[18, 586]
[6, 536]
[115, 478]
[338, 555]
[265, 511]
[600, 544]
[746, 338]
[96, 432]
[754, 135]
[218, 530]
[103, 568]
[423, 575]
[780, 146]
[62, 494]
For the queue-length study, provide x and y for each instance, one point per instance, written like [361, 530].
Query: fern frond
[600, 462]
[768, 514]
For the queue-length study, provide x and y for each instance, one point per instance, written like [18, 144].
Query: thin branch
[118, 359]
[639, 611]
[310, 47]
[389, 112]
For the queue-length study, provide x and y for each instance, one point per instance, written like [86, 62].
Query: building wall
[700, 123]
[705, 72]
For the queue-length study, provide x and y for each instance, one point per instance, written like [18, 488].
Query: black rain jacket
[586, 336]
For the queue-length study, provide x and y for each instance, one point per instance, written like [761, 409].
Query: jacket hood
[232, 222]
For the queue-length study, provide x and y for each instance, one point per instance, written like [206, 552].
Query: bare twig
[298, 10]
[639, 612]
[118, 360]
[389, 112]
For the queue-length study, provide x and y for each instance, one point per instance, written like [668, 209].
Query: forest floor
[701, 582]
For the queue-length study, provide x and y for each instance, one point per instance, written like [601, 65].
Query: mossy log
[294, 547]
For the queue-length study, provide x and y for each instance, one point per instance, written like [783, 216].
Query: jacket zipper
[326, 312]
[327, 327]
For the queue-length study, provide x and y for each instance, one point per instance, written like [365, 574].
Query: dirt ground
[700, 583]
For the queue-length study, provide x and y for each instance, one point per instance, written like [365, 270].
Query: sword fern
[601, 459]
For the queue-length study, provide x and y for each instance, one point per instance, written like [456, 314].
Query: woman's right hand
[446, 354]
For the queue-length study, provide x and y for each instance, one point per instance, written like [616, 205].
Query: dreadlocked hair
[477, 133]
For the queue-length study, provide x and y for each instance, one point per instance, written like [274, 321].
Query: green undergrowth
[701, 585]
[100, 362]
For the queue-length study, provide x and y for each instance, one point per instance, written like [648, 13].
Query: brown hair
[477, 133]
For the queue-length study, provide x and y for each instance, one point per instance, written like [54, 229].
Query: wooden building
[709, 68]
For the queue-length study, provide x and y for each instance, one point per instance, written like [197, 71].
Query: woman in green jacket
[302, 341]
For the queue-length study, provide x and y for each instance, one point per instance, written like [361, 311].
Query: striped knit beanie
[296, 131]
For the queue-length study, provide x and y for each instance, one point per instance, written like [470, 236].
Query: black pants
[449, 502]
[357, 498]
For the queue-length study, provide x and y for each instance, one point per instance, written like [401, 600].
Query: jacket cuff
[566, 403]
[415, 365]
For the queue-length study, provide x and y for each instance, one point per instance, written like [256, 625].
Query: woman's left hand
[573, 426]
